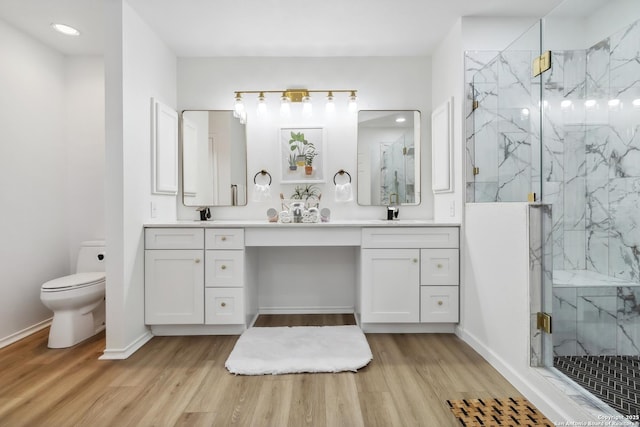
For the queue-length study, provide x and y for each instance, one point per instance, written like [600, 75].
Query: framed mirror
[214, 159]
[388, 157]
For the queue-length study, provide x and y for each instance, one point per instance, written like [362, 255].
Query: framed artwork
[303, 154]
[164, 149]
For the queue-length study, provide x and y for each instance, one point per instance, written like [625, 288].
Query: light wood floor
[181, 381]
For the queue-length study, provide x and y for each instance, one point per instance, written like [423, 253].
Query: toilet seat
[74, 281]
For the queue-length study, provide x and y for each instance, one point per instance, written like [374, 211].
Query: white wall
[401, 83]
[85, 144]
[139, 66]
[447, 82]
[51, 158]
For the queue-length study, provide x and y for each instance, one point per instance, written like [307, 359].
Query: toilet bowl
[77, 300]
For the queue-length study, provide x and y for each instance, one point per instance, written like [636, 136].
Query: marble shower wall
[499, 133]
[591, 156]
[590, 165]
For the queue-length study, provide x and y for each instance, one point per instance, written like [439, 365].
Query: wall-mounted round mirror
[214, 159]
[388, 157]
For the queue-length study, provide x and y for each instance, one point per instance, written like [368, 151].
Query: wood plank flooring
[182, 381]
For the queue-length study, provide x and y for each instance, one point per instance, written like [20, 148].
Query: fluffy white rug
[284, 350]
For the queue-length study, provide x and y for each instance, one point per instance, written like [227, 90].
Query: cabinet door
[390, 285]
[174, 287]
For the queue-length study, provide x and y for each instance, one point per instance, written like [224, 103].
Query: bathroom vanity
[206, 278]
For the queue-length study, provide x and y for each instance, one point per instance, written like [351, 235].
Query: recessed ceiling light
[401, 120]
[65, 29]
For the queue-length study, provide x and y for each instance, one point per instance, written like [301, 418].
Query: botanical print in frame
[303, 154]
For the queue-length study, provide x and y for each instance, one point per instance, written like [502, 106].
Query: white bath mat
[285, 350]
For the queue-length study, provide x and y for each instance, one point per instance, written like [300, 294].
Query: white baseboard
[306, 310]
[553, 404]
[182, 330]
[25, 333]
[407, 328]
[124, 353]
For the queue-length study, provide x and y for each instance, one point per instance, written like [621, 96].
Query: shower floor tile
[613, 379]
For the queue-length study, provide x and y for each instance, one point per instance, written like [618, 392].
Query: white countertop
[337, 223]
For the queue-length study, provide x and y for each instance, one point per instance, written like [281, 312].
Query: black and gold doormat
[497, 412]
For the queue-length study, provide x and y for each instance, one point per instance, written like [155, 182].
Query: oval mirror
[214, 159]
[388, 157]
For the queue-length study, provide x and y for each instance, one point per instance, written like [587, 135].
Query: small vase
[293, 167]
[308, 170]
[300, 160]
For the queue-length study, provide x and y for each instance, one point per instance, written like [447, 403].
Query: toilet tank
[91, 256]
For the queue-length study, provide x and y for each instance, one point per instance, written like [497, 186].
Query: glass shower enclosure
[571, 136]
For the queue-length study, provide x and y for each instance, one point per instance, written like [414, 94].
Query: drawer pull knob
[223, 304]
[439, 302]
[197, 260]
[223, 238]
[414, 260]
[223, 267]
[439, 265]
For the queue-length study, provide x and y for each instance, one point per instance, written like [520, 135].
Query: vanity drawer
[439, 267]
[439, 304]
[224, 268]
[224, 306]
[174, 238]
[410, 237]
[224, 238]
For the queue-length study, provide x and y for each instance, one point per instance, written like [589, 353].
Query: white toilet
[77, 301]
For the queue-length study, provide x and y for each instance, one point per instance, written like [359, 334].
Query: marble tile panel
[564, 322]
[629, 321]
[624, 243]
[475, 61]
[574, 73]
[486, 192]
[625, 59]
[486, 147]
[597, 71]
[597, 251]
[514, 167]
[596, 323]
[574, 250]
[514, 70]
[624, 143]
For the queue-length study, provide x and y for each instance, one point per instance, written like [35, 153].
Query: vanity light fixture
[330, 106]
[67, 30]
[636, 102]
[400, 120]
[353, 102]
[262, 104]
[285, 105]
[289, 96]
[238, 107]
[307, 108]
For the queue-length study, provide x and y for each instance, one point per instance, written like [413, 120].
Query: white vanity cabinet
[224, 276]
[174, 276]
[409, 275]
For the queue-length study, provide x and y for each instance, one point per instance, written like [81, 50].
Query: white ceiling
[269, 27]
